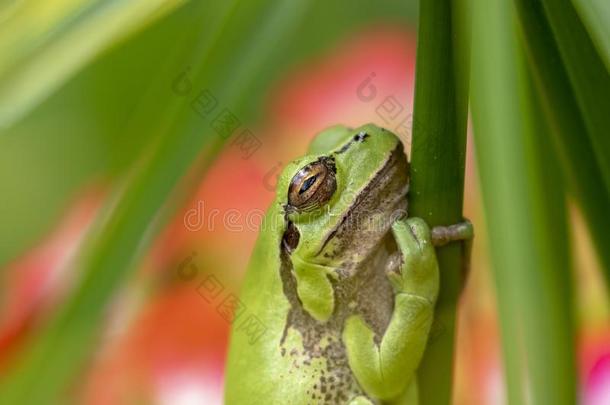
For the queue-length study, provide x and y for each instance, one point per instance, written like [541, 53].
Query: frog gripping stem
[461, 232]
[442, 235]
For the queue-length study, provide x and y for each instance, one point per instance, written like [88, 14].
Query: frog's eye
[313, 185]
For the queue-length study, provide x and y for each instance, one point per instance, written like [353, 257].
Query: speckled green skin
[344, 321]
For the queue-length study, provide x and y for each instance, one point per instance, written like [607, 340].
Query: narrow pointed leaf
[43, 43]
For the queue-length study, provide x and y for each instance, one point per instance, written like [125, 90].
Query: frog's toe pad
[412, 234]
[419, 229]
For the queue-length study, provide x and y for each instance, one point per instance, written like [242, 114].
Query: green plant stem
[437, 171]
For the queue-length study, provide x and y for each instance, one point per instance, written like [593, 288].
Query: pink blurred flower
[36, 280]
[595, 366]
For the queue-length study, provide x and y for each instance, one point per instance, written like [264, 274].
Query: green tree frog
[343, 282]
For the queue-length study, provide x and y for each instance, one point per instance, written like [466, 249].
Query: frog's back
[257, 328]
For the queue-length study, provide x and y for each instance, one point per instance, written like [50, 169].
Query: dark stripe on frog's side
[376, 179]
[359, 137]
[336, 383]
[372, 294]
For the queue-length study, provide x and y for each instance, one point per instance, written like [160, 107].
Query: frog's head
[339, 202]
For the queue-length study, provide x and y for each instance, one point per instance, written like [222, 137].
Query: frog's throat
[314, 287]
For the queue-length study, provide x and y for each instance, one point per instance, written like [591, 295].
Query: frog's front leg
[385, 369]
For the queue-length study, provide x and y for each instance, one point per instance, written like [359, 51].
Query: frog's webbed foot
[461, 232]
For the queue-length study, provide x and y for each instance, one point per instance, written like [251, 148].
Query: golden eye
[313, 185]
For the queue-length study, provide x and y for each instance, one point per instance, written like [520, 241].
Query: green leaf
[589, 77]
[596, 14]
[54, 160]
[44, 43]
[580, 146]
[525, 210]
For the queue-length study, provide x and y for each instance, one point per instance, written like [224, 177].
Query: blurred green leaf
[43, 43]
[596, 14]
[588, 75]
[493, 97]
[579, 146]
[525, 212]
[79, 135]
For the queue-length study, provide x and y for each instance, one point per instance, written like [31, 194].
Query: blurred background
[91, 94]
